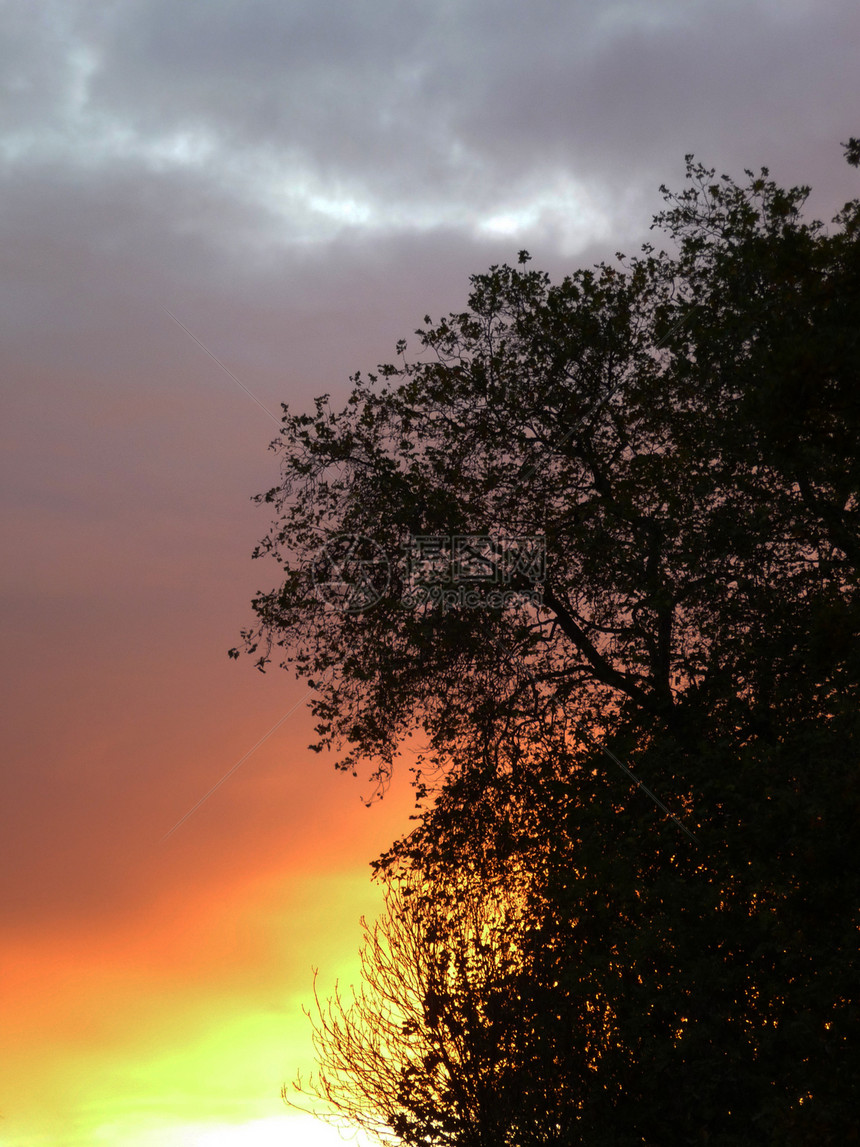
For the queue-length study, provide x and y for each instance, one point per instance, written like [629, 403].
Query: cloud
[393, 116]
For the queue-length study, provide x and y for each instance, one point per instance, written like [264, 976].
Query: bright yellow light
[277, 1131]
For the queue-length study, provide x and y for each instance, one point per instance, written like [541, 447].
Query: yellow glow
[278, 1131]
[180, 1031]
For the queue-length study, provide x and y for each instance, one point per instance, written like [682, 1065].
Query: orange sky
[152, 990]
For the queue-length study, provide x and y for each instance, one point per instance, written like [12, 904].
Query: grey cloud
[420, 115]
[412, 103]
[36, 73]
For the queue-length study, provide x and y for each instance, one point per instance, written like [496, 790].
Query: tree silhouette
[445, 1041]
[680, 431]
[647, 478]
[415, 1054]
[642, 992]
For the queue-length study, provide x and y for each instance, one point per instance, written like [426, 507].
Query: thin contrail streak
[226, 370]
[230, 772]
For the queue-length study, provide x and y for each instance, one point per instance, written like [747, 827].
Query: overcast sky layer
[286, 188]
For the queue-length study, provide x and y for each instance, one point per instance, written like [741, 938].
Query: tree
[566, 979]
[680, 432]
[453, 1039]
[423, 1052]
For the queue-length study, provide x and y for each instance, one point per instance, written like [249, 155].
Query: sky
[207, 208]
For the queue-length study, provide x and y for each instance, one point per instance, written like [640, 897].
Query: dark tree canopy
[563, 976]
[680, 431]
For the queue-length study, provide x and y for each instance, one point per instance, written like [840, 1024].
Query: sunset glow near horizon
[297, 185]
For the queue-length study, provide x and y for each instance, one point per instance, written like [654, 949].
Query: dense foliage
[682, 429]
